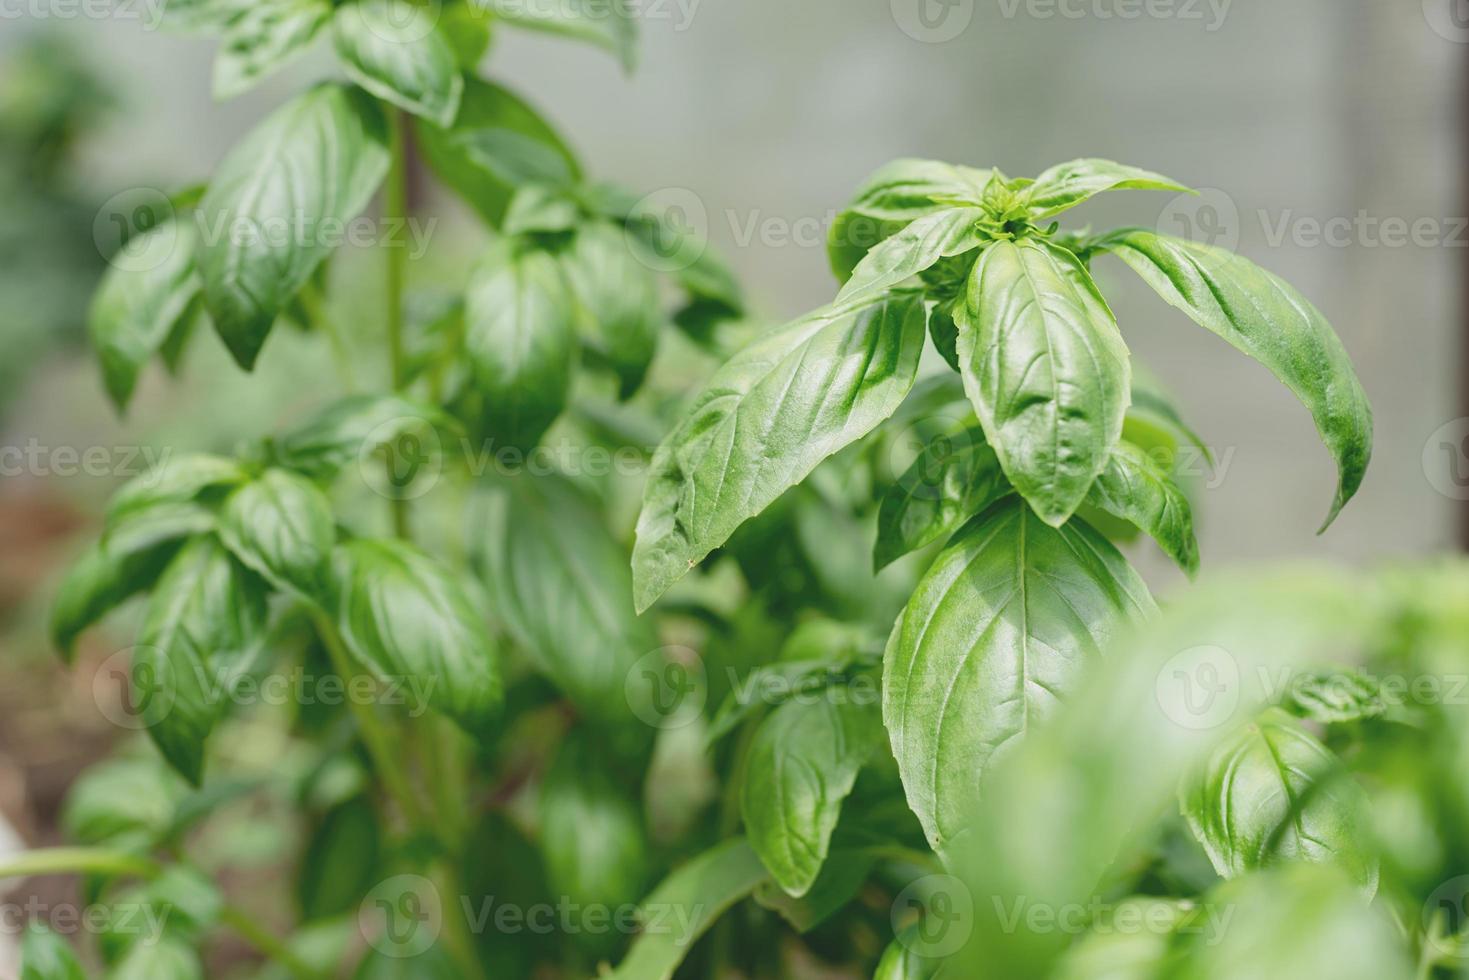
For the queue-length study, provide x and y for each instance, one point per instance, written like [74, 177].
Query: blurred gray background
[1292, 114]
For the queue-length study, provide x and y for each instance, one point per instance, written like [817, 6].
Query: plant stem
[251, 931]
[379, 746]
[395, 209]
[75, 860]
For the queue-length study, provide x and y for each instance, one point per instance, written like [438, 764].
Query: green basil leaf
[199, 16]
[1261, 315]
[704, 888]
[840, 881]
[537, 209]
[167, 959]
[128, 561]
[1152, 410]
[353, 428]
[802, 765]
[280, 525]
[901, 960]
[177, 906]
[955, 477]
[340, 861]
[1068, 184]
[560, 585]
[905, 190]
[1335, 697]
[122, 798]
[408, 620]
[915, 249]
[493, 124]
[516, 158]
[851, 236]
[314, 163]
[1300, 920]
[520, 342]
[46, 956]
[467, 28]
[1272, 793]
[262, 36]
[996, 637]
[146, 293]
[176, 480]
[591, 831]
[1135, 488]
[617, 296]
[608, 24]
[206, 621]
[395, 50]
[1047, 370]
[764, 422]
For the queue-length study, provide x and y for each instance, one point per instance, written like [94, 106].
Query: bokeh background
[1327, 134]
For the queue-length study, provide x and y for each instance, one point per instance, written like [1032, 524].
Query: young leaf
[560, 585]
[1068, 184]
[122, 798]
[493, 123]
[46, 956]
[166, 959]
[802, 765]
[996, 636]
[394, 49]
[176, 480]
[703, 889]
[1271, 794]
[260, 37]
[617, 297]
[281, 526]
[609, 24]
[312, 164]
[954, 478]
[351, 429]
[1336, 696]
[907, 189]
[913, 250]
[765, 421]
[1261, 315]
[1046, 368]
[519, 339]
[128, 561]
[1135, 488]
[206, 621]
[591, 830]
[142, 298]
[409, 621]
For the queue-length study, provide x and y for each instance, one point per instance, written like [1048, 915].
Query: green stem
[78, 860]
[370, 727]
[252, 932]
[395, 209]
